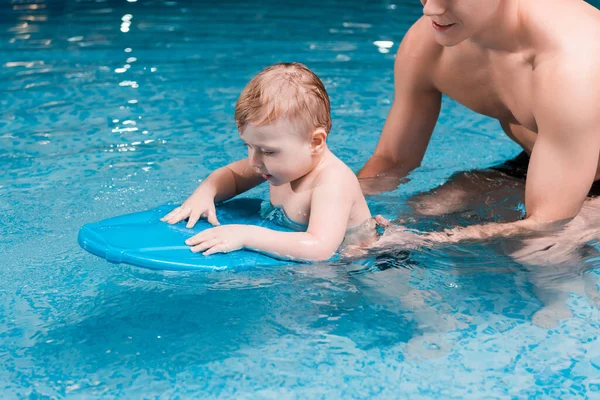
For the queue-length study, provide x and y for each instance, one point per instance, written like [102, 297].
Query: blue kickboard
[141, 239]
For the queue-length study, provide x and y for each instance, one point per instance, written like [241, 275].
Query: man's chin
[449, 43]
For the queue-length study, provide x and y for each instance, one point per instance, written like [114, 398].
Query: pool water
[110, 107]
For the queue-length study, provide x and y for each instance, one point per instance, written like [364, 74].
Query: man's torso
[501, 84]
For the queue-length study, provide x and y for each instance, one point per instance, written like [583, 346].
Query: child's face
[281, 152]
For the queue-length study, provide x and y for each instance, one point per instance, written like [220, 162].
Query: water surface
[110, 107]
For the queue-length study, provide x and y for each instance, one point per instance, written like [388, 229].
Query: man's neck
[504, 32]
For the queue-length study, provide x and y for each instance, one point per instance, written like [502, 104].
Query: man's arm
[412, 117]
[564, 159]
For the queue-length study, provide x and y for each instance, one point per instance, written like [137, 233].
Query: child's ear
[318, 141]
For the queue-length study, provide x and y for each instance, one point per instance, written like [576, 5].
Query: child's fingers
[194, 217]
[170, 214]
[194, 240]
[211, 216]
[180, 215]
[219, 248]
[205, 245]
[203, 236]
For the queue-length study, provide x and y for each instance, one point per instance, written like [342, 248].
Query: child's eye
[268, 152]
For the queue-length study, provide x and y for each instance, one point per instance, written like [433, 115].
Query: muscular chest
[499, 86]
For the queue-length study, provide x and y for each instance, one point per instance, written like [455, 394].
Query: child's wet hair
[284, 90]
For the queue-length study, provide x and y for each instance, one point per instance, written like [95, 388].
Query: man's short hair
[284, 90]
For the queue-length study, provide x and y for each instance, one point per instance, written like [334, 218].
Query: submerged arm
[564, 159]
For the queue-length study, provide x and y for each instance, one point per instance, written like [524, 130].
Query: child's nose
[254, 159]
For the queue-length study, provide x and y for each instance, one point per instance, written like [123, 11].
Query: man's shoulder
[566, 52]
[418, 55]
[419, 44]
[574, 32]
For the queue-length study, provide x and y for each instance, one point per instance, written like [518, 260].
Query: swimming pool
[111, 107]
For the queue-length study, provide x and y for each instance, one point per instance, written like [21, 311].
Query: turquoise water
[110, 107]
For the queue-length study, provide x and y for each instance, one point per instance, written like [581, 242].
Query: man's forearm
[490, 231]
[378, 166]
[381, 174]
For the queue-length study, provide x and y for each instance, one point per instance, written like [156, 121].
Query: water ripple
[110, 107]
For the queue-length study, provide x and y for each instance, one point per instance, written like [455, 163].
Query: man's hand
[200, 204]
[221, 239]
[397, 236]
[380, 174]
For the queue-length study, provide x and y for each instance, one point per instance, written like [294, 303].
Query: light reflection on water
[113, 107]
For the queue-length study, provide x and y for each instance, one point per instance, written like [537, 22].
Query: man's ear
[318, 141]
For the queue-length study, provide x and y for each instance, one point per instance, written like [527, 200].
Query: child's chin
[276, 182]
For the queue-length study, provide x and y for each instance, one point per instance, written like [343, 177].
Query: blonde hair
[284, 90]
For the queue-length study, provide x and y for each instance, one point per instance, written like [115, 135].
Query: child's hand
[221, 239]
[197, 205]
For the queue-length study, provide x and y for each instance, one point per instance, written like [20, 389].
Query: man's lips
[441, 27]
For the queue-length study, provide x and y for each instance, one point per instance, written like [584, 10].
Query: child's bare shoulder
[338, 174]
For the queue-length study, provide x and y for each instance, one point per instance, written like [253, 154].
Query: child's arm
[330, 210]
[221, 185]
